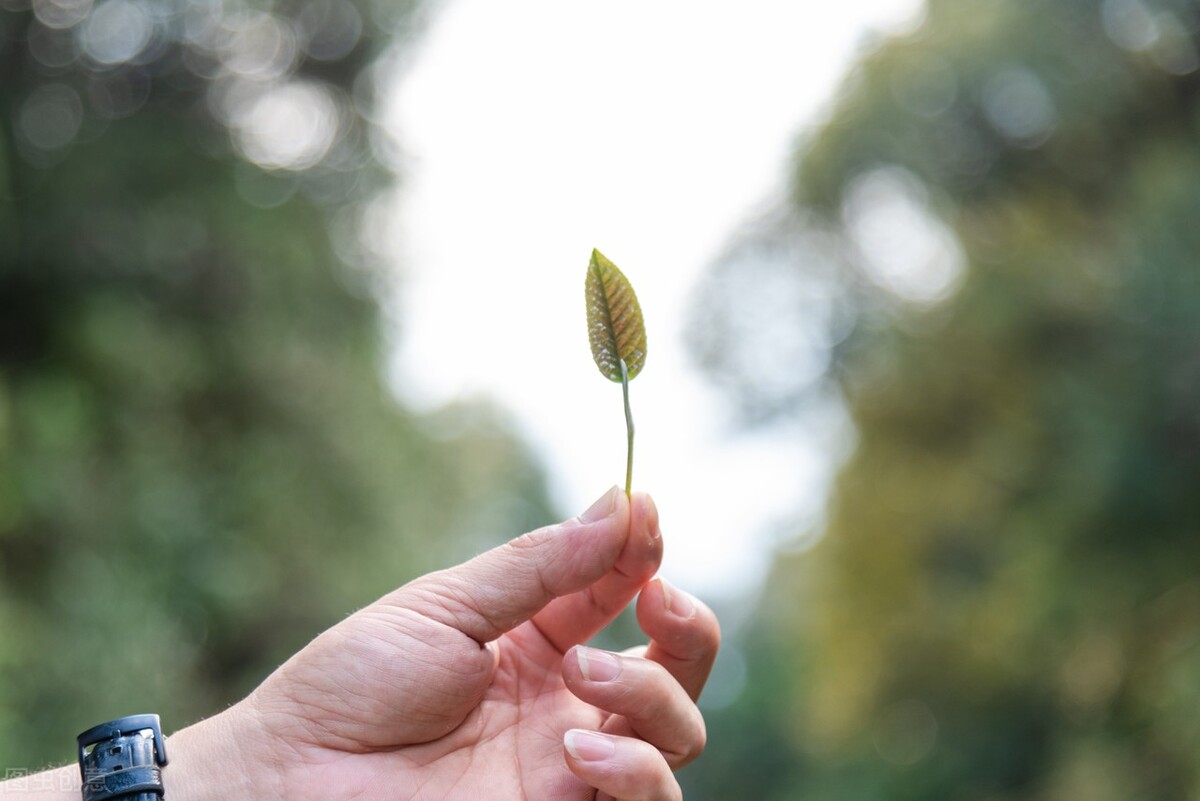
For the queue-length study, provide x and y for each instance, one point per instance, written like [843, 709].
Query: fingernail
[604, 506]
[597, 665]
[678, 602]
[655, 533]
[587, 746]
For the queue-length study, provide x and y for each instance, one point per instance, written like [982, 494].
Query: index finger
[574, 618]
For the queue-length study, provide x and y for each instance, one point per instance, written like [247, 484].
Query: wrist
[222, 757]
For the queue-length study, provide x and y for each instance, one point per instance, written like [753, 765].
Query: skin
[472, 683]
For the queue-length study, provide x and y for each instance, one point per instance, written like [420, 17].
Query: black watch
[119, 762]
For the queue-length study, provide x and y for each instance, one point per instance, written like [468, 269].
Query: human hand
[471, 683]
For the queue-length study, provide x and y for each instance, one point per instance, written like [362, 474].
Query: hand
[472, 683]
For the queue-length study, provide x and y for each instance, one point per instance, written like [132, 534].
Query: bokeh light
[117, 32]
[329, 29]
[902, 245]
[291, 126]
[50, 117]
[61, 14]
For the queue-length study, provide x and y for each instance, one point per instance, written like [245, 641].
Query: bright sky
[535, 130]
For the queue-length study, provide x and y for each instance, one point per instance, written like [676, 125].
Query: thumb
[498, 590]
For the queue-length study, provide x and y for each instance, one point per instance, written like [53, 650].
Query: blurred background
[291, 311]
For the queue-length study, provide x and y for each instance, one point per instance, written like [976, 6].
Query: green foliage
[199, 465]
[1006, 600]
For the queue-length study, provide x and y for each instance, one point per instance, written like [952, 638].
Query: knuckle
[693, 739]
[699, 738]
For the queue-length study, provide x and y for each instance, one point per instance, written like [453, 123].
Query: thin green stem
[628, 427]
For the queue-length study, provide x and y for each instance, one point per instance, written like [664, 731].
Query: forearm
[216, 759]
[58, 784]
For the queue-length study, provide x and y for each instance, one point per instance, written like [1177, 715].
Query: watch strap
[118, 762]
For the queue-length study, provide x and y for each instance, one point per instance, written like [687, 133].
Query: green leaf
[617, 334]
[615, 327]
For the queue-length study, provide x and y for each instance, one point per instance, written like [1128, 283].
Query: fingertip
[585, 547]
[620, 767]
[607, 505]
[668, 613]
[571, 670]
[493, 649]
[604, 527]
[679, 603]
[643, 549]
[653, 600]
[589, 746]
[644, 512]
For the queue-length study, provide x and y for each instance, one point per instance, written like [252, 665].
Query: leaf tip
[598, 260]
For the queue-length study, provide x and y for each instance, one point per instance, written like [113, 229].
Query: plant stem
[628, 427]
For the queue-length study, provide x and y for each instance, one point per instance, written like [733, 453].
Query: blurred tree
[199, 465]
[996, 233]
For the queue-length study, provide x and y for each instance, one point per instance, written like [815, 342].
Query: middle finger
[653, 704]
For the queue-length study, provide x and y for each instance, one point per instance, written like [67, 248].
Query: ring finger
[643, 697]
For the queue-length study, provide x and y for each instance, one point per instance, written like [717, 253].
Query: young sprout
[617, 334]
